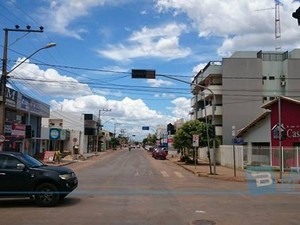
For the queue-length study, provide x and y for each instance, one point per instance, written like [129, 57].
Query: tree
[183, 139]
[150, 140]
[114, 142]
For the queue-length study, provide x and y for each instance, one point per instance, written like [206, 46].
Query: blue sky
[100, 41]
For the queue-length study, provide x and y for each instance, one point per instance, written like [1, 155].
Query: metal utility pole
[5, 72]
[99, 127]
[280, 138]
[151, 74]
[277, 23]
[212, 115]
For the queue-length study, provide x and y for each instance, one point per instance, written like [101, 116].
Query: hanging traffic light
[212, 131]
[28, 131]
[296, 15]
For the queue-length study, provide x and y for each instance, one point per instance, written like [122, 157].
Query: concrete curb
[207, 175]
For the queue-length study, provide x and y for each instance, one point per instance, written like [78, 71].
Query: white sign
[195, 140]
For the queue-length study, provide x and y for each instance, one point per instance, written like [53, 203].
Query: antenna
[277, 27]
[277, 24]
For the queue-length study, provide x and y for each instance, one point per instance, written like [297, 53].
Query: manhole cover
[203, 222]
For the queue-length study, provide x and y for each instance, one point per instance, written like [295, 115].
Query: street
[130, 187]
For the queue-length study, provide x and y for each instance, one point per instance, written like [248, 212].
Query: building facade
[261, 140]
[73, 132]
[23, 118]
[237, 87]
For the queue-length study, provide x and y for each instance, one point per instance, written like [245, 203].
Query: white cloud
[159, 82]
[198, 67]
[161, 42]
[242, 24]
[164, 95]
[125, 110]
[181, 108]
[47, 82]
[79, 97]
[61, 14]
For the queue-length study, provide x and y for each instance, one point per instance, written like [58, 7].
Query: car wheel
[47, 195]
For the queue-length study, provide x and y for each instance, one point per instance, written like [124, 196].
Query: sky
[99, 42]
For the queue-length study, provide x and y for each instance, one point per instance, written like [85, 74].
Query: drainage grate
[203, 222]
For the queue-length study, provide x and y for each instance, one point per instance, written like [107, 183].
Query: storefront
[22, 127]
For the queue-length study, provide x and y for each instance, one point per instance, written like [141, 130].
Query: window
[8, 162]
[2, 161]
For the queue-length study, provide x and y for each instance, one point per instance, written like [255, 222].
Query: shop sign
[18, 130]
[54, 134]
[11, 97]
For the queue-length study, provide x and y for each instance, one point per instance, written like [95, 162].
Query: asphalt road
[130, 187]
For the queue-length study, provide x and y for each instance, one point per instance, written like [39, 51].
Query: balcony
[216, 89]
[219, 131]
[218, 111]
[200, 114]
[212, 68]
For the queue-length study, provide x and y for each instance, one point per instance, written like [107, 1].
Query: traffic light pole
[212, 115]
[99, 128]
[150, 74]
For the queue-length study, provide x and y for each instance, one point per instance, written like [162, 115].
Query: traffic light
[212, 131]
[28, 131]
[296, 15]
[283, 134]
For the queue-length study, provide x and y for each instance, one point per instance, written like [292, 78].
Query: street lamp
[49, 45]
[5, 76]
[100, 128]
[150, 74]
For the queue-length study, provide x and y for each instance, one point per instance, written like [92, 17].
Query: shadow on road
[27, 203]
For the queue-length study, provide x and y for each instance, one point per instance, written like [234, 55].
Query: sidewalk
[73, 159]
[227, 174]
[203, 170]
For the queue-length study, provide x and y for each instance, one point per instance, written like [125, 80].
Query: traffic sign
[2, 138]
[195, 140]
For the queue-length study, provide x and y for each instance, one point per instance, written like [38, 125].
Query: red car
[160, 154]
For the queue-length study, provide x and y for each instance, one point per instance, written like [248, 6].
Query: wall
[292, 79]
[291, 122]
[224, 155]
[241, 97]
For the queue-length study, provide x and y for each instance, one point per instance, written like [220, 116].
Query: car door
[13, 181]
[4, 182]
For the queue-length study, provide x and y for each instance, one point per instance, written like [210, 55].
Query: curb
[203, 174]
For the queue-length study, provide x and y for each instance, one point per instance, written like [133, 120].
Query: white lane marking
[164, 173]
[178, 174]
[200, 211]
[136, 173]
[150, 173]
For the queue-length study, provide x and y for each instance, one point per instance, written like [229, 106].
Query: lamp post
[150, 74]
[100, 127]
[5, 74]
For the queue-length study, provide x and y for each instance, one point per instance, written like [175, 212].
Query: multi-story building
[240, 85]
[64, 131]
[22, 122]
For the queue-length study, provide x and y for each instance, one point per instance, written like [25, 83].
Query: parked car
[154, 151]
[24, 176]
[159, 154]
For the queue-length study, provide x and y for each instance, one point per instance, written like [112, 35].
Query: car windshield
[32, 161]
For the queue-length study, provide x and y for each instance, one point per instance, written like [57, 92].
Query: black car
[24, 176]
